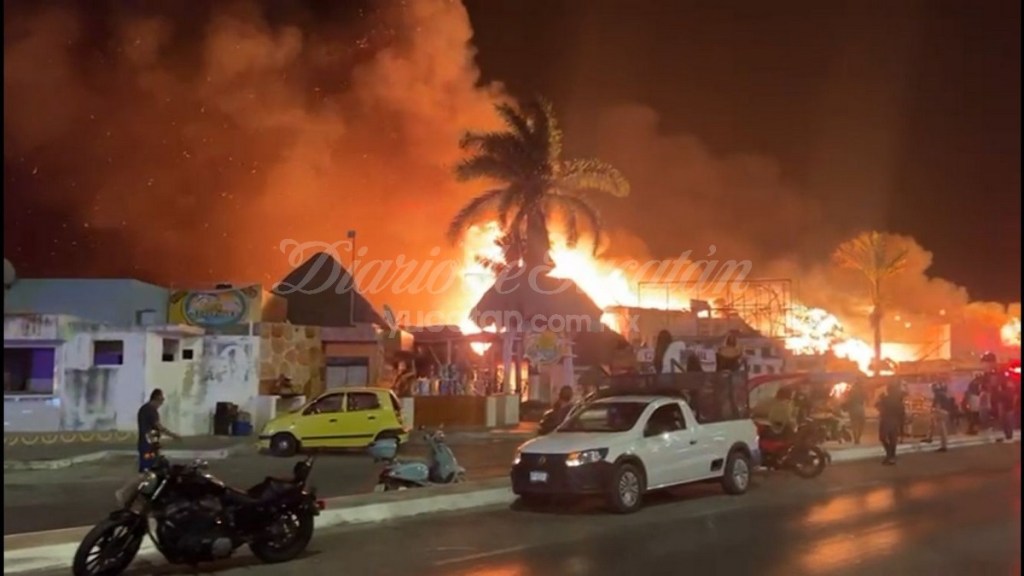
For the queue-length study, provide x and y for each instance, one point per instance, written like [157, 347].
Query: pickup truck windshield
[605, 417]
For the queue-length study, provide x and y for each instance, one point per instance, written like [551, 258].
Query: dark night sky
[834, 90]
[901, 115]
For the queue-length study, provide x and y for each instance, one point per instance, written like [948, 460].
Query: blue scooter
[441, 466]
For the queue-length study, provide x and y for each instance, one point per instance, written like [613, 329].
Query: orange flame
[809, 330]
[1010, 333]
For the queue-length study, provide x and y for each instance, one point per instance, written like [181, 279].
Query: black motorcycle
[197, 518]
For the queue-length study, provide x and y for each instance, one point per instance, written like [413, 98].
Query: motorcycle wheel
[394, 485]
[299, 531]
[108, 548]
[811, 463]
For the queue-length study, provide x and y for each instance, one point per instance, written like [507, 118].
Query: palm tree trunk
[538, 245]
[876, 325]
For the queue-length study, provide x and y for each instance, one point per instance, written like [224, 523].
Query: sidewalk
[49, 499]
[51, 456]
[42, 456]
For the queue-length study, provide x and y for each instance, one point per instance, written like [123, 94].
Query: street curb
[868, 452]
[54, 549]
[214, 454]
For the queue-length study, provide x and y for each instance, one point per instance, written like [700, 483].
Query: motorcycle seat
[270, 487]
[239, 498]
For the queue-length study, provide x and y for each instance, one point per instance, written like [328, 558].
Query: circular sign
[543, 347]
[215, 308]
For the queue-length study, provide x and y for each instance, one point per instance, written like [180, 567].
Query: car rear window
[360, 401]
[605, 417]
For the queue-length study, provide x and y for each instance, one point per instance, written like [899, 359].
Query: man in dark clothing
[940, 415]
[149, 422]
[891, 415]
[1004, 401]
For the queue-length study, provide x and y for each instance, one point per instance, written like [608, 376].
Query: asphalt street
[81, 495]
[931, 515]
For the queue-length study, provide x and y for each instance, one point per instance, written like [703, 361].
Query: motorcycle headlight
[149, 484]
[585, 457]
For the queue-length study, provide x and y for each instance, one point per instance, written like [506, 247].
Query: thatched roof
[522, 297]
[318, 295]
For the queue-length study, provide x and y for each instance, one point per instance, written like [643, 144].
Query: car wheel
[736, 479]
[388, 436]
[283, 444]
[626, 492]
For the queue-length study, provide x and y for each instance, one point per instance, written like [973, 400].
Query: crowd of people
[990, 405]
[991, 402]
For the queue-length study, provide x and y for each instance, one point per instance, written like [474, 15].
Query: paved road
[80, 495]
[931, 515]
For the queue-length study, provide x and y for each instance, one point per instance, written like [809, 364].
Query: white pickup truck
[625, 446]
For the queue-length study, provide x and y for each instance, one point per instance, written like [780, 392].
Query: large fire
[808, 330]
[1010, 333]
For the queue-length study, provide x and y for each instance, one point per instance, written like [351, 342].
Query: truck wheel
[283, 444]
[626, 492]
[736, 479]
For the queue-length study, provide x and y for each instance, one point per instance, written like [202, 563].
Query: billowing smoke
[186, 146]
[189, 145]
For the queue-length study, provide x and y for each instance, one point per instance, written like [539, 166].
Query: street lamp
[352, 272]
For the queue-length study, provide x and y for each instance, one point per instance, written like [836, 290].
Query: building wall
[109, 301]
[229, 371]
[176, 373]
[102, 397]
[295, 352]
[87, 394]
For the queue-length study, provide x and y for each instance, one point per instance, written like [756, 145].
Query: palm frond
[471, 211]
[505, 146]
[514, 119]
[592, 175]
[486, 166]
[544, 134]
[575, 209]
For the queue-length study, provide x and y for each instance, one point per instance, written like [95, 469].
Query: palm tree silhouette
[534, 184]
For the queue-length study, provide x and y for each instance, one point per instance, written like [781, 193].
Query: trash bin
[242, 425]
[224, 418]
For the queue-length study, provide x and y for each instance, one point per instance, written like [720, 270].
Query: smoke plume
[183, 144]
[190, 145]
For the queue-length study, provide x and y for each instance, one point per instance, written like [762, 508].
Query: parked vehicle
[623, 447]
[800, 453]
[834, 428]
[349, 418]
[193, 517]
[441, 466]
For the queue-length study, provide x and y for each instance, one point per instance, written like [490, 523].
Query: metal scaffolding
[764, 304]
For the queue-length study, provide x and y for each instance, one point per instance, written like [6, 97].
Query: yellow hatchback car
[345, 418]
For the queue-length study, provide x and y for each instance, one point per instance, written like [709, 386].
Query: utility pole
[352, 274]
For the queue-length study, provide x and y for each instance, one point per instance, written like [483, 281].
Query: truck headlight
[585, 457]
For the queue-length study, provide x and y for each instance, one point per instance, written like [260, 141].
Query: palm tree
[534, 183]
[877, 258]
